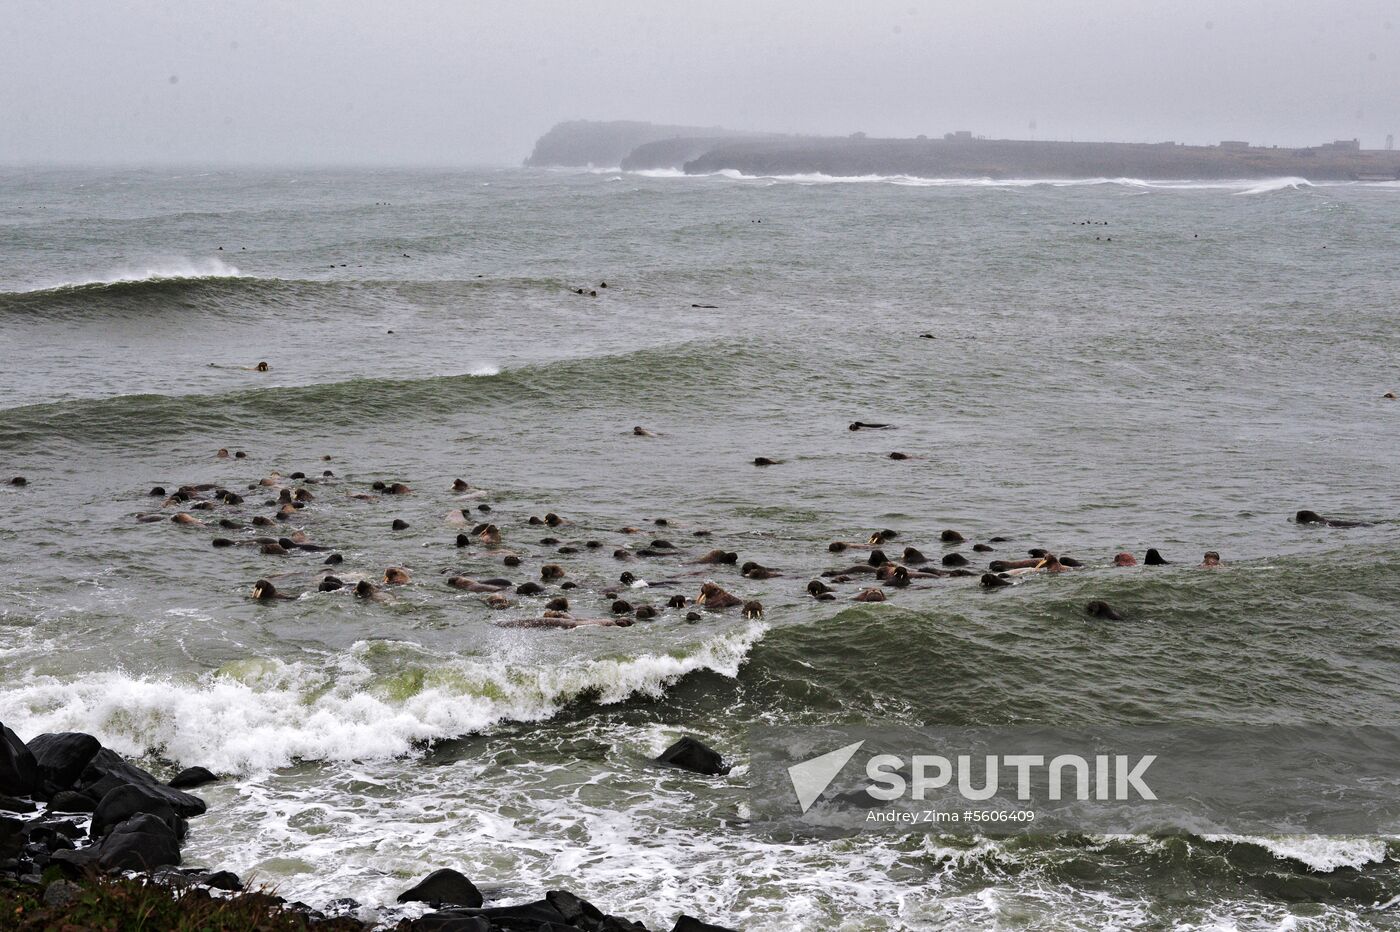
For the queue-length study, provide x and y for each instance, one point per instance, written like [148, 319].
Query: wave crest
[379, 700]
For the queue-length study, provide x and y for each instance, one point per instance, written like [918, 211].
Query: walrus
[676, 601]
[869, 595]
[239, 454]
[158, 491]
[644, 612]
[621, 607]
[662, 543]
[554, 520]
[950, 536]
[273, 549]
[983, 548]
[1153, 558]
[185, 517]
[1211, 560]
[753, 609]
[565, 623]
[557, 604]
[551, 571]
[641, 431]
[765, 461]
[1389, 395]
[529, 588]
[222, 542]
[264, 591]
[488, 534]
[897, 576]
[622, 553]
[330, 584]
[471, 585]
[262, 367]
[1124, 559]
[1038, 552]
[836, 546]
[364, 589]
[862, 425]
[877, 558]
[1052, 564]
[879, 537]
[498, 601]
[222, 454]
[1102, 610]
[914, 556]
[396, 576]
[1070, 562]
[693, 617]
[896, 455]
[715, 598]
[333, 560]
[535, 521]
[993, 581]
[460, 486]
[718, 556]
[954, 559]
[463, 540]
[758, 571]
[1312, 517]
[229, 498]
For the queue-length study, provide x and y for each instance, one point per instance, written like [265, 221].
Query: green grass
[108, 904]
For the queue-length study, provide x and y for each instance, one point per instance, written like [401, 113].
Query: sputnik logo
[811, 777]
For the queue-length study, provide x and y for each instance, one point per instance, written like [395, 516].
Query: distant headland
[634, 146]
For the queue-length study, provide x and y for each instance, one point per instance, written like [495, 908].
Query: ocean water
[1184, 373]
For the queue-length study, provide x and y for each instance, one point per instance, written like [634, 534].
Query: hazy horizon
[438, 84]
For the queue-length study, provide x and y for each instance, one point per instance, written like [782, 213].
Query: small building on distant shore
[1234, 144]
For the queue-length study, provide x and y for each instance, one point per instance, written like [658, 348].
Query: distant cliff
[702, 150]
[593, 144]
[1012, 158]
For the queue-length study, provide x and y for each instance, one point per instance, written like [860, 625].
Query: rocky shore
[89, 840]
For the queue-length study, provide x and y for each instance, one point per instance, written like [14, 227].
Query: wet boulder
[692, 754]
[444, 887]
[107, 771]
[141, 843]
[19, 772]
[191, 777]
[124, 802]
[62, 758]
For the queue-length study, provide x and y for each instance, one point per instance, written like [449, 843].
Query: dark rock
[141, 843]
[575, 910]
[691, 924]
[62, 758]
[450, 921]
[71, 801]
[522, 917]
[60, 893]
[224, 880]
[192, 777]
[11, 837]
[123, 802]
[108, 771]
[19, 772]
[74, 864]
[10, 804]
[445, 887]
[692, 754]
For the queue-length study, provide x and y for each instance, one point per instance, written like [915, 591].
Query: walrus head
[396, 576]
[261, 367]
[954, 559]
[1124, 559]
[817, 587]
[877, 558]
[621, 607]
[1102, 610]
[993, 581]
[459, 486]
[557, 604]
[676, 601]
[264, 591]
[551, 571]
[753, 609]
[951, 536]
[644, 612]
[364, 589]
[1309, 517]
[330, 584]
[1154, 558]
[836, 546]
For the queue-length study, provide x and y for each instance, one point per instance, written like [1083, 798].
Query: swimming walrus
[862, 425]
[264, 591]
[1312, 517]
[869, 595]
[1098, 609]
[753, 570]
[727, 557]
[565, 623]
[993, 581]
[715, 598]
[1153, 558]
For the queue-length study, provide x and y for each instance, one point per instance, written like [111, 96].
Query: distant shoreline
[709, 150]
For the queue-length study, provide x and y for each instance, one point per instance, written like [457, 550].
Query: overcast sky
[420, 81]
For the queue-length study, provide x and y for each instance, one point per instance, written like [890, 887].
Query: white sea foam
[374, 702]
[155, 270]
[1320, 853]
[1240, 186]
[484, 369]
